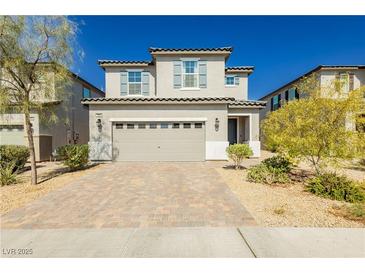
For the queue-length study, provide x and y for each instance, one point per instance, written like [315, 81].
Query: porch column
[254, 134]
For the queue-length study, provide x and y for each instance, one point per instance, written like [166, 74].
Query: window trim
[141, 83]
[234, 80]
[196, 73]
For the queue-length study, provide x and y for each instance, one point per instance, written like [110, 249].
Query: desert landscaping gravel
[288, 205]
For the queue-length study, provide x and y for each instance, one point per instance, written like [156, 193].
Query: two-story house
[71, 127]
[183, 105]
[351, 76]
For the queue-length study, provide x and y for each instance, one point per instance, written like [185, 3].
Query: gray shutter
[236, 80]
[177, 74]
[124, 83]
[145, 83]
[202, 74]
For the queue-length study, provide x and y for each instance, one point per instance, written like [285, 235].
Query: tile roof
[158, 100]
[142, 62]
[153, 50]
[240, 68]
[164, 100]
[247, 103]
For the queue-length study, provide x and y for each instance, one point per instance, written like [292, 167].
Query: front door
[232, 131]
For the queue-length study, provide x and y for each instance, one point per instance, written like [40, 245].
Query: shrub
[336, 187]
[76, 156]
[238, 152]
[7, 176]
[267, 175]
[61, 152]
[278, 162]
[13, 155]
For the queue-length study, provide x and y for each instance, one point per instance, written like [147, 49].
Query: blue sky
[280, 47]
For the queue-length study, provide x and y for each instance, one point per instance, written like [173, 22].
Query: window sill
[231, 86]
[187, 89]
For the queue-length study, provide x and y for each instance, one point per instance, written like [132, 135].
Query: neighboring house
[353, 76]
[183, 105]
[72, 126]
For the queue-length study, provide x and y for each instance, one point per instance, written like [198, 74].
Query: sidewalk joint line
[246, 242]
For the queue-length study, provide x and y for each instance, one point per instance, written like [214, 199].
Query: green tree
[35, 52]
[319, 127]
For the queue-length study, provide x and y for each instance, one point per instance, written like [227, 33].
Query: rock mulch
[288, 205]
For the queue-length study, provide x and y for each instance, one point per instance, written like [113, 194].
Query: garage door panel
[159, 144]
[12, 135]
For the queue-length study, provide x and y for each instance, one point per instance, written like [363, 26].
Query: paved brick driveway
[136, 195]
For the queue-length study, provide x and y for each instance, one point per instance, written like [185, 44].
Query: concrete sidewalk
[205, 242]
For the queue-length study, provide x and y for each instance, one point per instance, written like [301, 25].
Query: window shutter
[236, 80]
[351, 81]
[287, 95]
[279, 100]
[145, 83]
[124, 83]
[272, 104]
[177, 74]
[202, 74]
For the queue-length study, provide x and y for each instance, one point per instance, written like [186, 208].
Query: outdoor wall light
[99, 125]
[216, 125]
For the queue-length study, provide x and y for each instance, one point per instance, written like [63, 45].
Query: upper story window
[86, 93]
[135, 83]
[230, 80]
[190, 74]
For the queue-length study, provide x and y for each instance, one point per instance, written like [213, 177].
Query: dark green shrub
[267, 175]
[336, 187]
[15, 155]
[61, 152]
[238, 152]
[76, 156]
[278, 162]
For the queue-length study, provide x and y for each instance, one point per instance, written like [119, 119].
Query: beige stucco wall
[161, 79]
[211, 112]
[47, 135]
[112, 79]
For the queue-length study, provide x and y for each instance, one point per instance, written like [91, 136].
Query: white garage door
[12, 135]
[159, 141]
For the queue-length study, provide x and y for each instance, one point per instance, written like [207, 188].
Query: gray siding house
[72, 126]
[182, 105]
[353, 77]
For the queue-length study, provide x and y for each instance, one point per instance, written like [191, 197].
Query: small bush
[7, 176]
[238, 152]
[61, 152]
[336, 187]
[15, 155]
[76, 156]
[357, 210]
[267, 175]
[278, 162]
